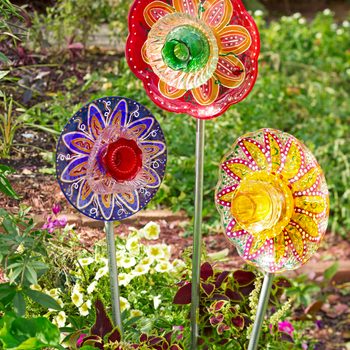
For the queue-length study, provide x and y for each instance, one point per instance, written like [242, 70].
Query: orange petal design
[187, 6]
[234, 39]
[156, 10]
[292, 163]
[275, 152]
[312, 204]
[257, 154]
[144, 52]
[307, 223]
[79, 170]
[207, 93]
[169, 91]
[85, 191]
[240, 170]
[280, 247]
[230, 71]
[307, 180]
[217, 13]
[297, 239]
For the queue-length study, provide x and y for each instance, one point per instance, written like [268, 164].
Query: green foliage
[28, 334]
[5, 186]
[22, 251]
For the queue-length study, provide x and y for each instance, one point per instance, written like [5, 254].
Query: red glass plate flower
[194, 57]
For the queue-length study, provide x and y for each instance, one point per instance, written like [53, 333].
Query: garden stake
[262, 305]
[113, 275]
[197, 234]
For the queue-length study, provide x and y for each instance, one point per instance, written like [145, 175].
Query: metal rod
[113, 275]
[260, 314]
[197, 233]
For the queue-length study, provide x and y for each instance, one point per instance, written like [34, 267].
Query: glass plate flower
[195, 57]
[111, 158]
[273, 200]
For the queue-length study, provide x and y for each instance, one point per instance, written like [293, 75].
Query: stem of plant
[261, 310]
[113, 275]
[197, 234]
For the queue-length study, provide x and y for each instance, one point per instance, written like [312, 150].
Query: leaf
[103, 324]
[115, 335]
[6, 188]
[183, 295]
[3, 73]
[4, 58]
[42, 299]
[19, 304]
[208, 288]
[206, 271]
[331, 271]
[31, 274]
[244, 278]
[222, 277]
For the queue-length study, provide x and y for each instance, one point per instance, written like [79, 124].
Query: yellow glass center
[262, 204]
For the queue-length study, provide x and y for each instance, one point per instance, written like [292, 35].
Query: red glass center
[122, 159]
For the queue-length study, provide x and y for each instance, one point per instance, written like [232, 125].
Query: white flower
[302, 21]
[77, 298]
[124, 304]
[334, 26]
[91, 287]
[327, 12]
[136, 313]
[60, 319]
[157, 301]
[346, 24]
[140, 270]
[36, 287]
[296, 15]
[127, 262]
[318, 35]
[20, 248]
[146, 261]
[166, 250]
[340, 31]
[102, 271]
[155, 251]
[258, 13]
[53, 293]
[84, 308]
[163, 266]
[86, 261]
[178, 264]
[132, 245]
[124, 278]
[151, 231]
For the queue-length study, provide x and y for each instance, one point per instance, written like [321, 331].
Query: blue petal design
[96, 121]
[119, 115]
[106, 204]
[78, 142]
[153, 149]
[85, 195]
[75, 169]
[141, 127]
[153, 179]
[130, 200]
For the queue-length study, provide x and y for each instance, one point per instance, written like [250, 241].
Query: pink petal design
[78, 142]
[222, 196]
[233, 230]
[96, 121]
[75, 170]
[248, 255]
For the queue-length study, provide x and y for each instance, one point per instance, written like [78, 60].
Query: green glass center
[186, 48]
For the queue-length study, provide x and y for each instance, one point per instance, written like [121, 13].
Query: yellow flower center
[262, 204]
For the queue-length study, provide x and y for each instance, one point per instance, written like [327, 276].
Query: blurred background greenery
[57, 56]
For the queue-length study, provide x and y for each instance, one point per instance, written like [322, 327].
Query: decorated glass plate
[273, 200]
[195, 57]
[111, 158]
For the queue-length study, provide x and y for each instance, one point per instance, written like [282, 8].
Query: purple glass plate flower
[111, 158]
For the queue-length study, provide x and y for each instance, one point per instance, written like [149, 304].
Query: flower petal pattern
[273, 200]
[111, 158]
